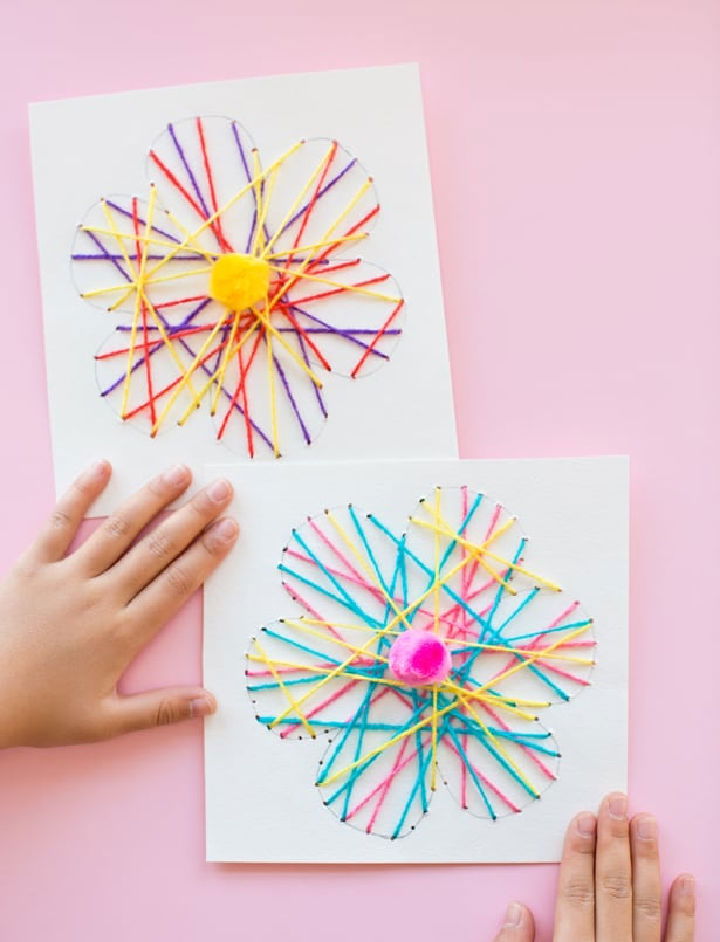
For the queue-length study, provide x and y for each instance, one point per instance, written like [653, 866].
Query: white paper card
[90, 148]
[262, 804]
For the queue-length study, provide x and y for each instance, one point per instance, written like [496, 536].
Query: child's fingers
[113, 537]
[647, 891]
[518, 926]
[156, 551]
[681, 910]
[155, 708]
[58, 533]
[613, 872]
[170, 590]
[575, 907]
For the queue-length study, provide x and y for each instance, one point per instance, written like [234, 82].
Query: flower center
[418, 658]
[239, 281]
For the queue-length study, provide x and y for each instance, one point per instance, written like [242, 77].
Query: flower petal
[302, 680]
[320, 202]
[535, 646]
[349, 313]
[465, 545]
[203, 168]
[492, 767]
[126, 243]
[339, 564]
[376, 774]
[142, 366]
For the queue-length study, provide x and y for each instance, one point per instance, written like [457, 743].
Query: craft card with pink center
[417, 661]
[241, 272]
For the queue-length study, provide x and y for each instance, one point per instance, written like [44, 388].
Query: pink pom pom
[419, 657]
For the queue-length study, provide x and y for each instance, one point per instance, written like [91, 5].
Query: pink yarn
[419, 657]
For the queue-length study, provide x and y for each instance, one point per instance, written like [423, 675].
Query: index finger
[60, 530]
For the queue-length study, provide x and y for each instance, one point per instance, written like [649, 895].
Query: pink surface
[575, 148]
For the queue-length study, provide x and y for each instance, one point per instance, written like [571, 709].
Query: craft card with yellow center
[244, 271]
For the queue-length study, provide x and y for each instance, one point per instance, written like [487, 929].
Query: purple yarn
[288, 391]
[107, 255]
[110, 257]
[188, 170]
[346, 333]
[125, 212]
[318, 394]
[321, 193]
[243, 158]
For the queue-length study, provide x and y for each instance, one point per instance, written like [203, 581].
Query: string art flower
[236, 287]
[421, 656]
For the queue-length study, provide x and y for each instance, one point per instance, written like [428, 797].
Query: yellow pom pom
[239, 281]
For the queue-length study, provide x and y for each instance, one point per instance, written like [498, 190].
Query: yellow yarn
[239, 281]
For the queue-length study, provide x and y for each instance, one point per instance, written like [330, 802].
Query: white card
[328, 660]
[141, 334]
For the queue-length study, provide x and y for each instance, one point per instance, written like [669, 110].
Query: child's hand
[609, 885]
[71, 625]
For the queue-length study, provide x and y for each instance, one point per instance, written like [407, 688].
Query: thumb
[158, 708]
[518, 925]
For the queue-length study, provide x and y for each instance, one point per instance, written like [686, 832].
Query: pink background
[575, 150]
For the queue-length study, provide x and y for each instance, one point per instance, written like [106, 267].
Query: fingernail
[617, 806]
[647, 828]
[202, 706]
[219, 491]
[686, 884]
[585, 825]
[513, 916]
[225, 530]
[176, 476]
[95, 471]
